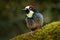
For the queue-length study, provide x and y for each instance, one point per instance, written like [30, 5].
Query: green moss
[48, 32]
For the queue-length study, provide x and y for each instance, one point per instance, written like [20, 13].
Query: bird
[34, 19]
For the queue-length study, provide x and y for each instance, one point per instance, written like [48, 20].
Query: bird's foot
[31, 33]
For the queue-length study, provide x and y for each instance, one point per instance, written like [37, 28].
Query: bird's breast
[34, 22]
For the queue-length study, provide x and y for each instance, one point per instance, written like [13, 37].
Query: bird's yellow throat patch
[30, 14]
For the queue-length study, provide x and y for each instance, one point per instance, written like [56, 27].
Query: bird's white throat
[30, 14]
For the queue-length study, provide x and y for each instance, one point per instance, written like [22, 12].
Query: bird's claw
[31, 33]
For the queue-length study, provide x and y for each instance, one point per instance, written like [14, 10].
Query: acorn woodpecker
[33, 19]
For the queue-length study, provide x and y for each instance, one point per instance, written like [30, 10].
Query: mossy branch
[48, 32]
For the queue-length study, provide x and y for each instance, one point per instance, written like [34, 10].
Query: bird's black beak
[24, 9]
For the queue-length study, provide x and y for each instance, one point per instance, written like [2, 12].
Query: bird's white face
[30, 13]
[27, 7]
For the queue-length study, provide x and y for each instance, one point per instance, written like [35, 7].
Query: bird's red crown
[31, 6]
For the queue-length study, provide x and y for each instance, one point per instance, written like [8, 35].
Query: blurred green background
[12, 17]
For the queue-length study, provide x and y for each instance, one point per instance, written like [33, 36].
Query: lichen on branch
[50, 31]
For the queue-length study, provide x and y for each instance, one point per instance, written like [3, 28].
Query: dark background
[12, 17]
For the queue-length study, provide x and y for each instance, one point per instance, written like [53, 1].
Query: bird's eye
[27, 11]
